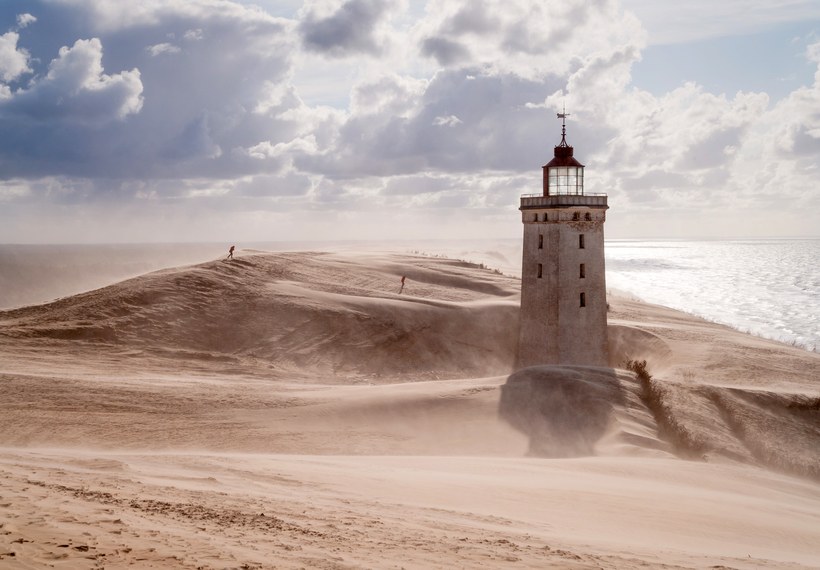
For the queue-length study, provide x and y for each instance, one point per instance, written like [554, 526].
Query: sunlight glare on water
[770, 288]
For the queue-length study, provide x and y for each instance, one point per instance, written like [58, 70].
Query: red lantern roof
[563, 152]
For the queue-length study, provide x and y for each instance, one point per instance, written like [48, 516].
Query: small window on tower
[588, 217]
[545, 217]
[581, 241]
[539, 270]
[540, 241]
[583, 299]
[576, 216]
[536, 217]
[583, 271]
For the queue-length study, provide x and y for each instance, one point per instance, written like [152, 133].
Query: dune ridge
[334, 312]
[207, 394]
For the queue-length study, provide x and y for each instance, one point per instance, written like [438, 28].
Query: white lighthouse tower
[563, 287]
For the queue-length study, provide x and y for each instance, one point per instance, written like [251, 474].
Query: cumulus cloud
[163, 48]
[13, 60]
[76, 89]
[712, 163]
[523, 37]
[781, 155]
[453, 109]
[448, 121]
[266, 149]
[193, 35]
[671, 152]
[146, 114]
[214, 112]
[350, 29]
[388, 95]
[24, 20]
[497, 129]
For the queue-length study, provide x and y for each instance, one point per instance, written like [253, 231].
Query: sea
[767, 287]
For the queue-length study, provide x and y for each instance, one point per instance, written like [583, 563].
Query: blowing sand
[295, 410]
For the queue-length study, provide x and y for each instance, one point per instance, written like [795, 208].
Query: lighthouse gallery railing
[566, 200]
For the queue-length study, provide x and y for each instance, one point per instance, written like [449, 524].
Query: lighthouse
[563, 286]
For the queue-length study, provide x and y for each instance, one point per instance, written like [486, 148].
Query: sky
[271, 120]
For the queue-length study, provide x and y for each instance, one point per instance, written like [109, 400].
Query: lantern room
[563, 175]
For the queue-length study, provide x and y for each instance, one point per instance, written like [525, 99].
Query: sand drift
[234, 370]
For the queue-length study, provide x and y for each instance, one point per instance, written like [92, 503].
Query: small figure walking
[403, 277]
[230, 253]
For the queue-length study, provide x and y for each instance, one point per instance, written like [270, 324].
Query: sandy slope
[296, 410]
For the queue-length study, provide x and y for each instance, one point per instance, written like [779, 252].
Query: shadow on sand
[564, 410]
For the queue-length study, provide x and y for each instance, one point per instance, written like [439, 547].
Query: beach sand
[295, 410]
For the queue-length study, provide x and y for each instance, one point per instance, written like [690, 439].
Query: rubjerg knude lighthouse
[563, 287]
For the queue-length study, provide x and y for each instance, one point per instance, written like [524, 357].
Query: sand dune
[298, 410]
[328, 312]
[40, 273]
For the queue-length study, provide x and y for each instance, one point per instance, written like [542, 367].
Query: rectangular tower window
[539, 270]
[583, 300]
[583, 271]
[540, 241]
[581, 241]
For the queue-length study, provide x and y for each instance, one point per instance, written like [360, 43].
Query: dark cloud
[194, 141]
[466, 121]
[348, 31]
[445, 45]
[472, 18]
[446, 52]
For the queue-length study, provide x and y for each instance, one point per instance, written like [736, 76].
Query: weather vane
[563, 116]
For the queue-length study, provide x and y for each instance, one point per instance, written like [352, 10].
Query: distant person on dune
[230, 253]
[403, 277]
